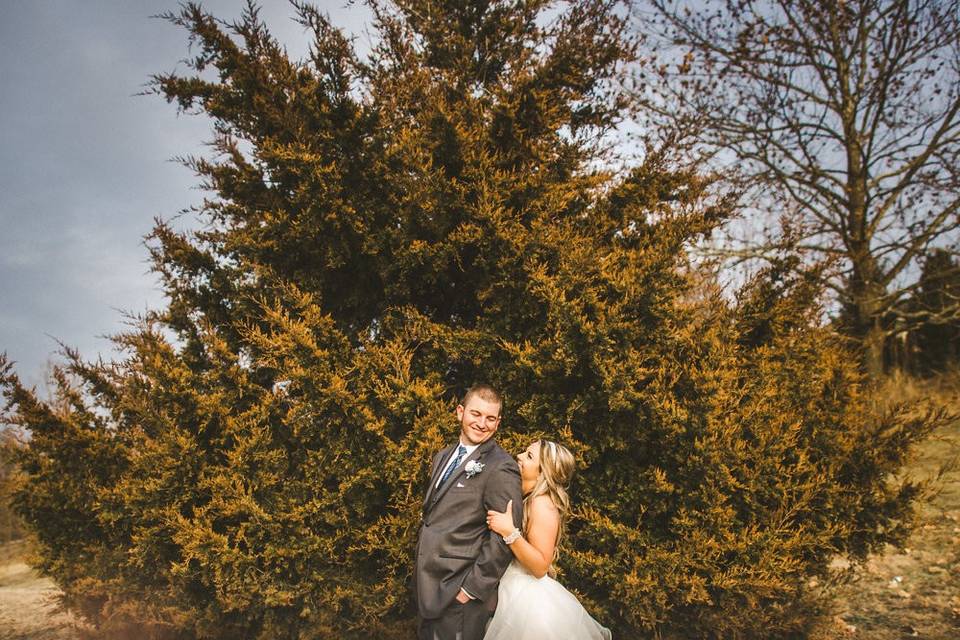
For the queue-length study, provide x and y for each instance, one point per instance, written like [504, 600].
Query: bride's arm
[535, 550]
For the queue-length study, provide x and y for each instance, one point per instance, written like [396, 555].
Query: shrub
[383, 233]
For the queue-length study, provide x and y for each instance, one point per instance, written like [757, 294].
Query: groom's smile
[478, 420]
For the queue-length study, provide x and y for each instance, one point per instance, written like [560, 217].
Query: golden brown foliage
[398, 229]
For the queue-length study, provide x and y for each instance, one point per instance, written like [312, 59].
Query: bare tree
[841, 116]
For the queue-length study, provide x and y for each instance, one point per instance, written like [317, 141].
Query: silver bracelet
[512, 537]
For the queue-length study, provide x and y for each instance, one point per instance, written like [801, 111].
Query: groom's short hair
[485, 391]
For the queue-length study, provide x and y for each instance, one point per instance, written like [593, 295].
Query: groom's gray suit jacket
[455, 549]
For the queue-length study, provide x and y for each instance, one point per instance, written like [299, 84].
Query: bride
[531, 604]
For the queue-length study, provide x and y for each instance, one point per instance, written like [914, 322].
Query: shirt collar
[469, 447]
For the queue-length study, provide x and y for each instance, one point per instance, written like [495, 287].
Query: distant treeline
[930, 345]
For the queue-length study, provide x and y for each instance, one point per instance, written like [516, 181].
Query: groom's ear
[460, 411]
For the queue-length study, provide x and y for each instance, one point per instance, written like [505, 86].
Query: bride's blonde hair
[557, 465]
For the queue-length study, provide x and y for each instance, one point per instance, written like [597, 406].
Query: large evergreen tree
[380, 234]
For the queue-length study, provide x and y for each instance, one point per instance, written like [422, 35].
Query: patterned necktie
[456, 462]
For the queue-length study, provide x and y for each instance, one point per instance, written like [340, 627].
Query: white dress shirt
[470, 449]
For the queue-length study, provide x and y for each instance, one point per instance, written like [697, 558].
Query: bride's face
[529, 461]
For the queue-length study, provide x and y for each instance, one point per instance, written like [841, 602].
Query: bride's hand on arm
[501, 522]
[535, 550]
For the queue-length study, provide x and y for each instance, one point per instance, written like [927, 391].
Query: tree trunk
[865, 288]
[866, 294]
[873, 343]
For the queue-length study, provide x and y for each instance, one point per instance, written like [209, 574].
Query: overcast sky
[85, 164]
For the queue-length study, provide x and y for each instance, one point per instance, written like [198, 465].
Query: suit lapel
[443, 457]
[476, 455]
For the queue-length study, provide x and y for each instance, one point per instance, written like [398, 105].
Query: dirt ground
[28, 607]
[912, 592]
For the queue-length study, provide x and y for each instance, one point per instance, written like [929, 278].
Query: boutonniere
[473, 468]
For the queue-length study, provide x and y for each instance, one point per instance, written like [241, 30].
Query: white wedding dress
[530, 608]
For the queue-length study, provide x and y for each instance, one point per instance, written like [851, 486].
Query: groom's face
[478, 420]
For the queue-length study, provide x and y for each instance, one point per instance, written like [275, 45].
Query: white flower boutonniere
[473, 468]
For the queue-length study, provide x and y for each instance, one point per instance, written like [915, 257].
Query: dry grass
[914, 592]
[28, 602]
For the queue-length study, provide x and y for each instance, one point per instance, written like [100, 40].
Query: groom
[458, 560]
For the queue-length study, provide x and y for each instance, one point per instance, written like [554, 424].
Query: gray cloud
[85, 164]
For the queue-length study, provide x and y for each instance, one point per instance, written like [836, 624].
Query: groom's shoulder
[502, 463]
[498, 454]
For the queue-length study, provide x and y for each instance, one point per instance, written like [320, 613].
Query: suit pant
[458, 622]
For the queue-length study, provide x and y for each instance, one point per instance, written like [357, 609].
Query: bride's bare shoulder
[542, 506]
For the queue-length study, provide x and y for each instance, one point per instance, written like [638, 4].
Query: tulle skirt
[529, 608]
